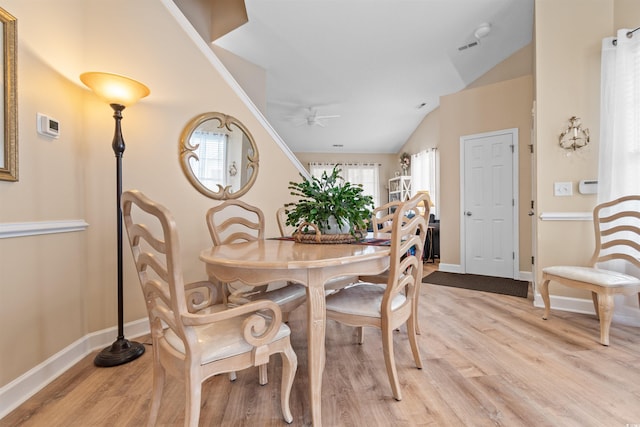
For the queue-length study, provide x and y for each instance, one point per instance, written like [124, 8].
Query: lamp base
[120, 352]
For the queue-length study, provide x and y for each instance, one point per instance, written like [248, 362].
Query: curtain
[425, 176]
[619, 164]
[619, 157]
[366, 174]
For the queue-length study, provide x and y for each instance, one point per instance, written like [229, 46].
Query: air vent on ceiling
[467, 46]
[482, 31]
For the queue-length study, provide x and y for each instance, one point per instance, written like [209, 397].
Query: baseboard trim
[22, 388]
[450, 268]
[526, 276]
[623, 314]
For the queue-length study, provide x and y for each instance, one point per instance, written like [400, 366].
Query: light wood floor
[489, 360]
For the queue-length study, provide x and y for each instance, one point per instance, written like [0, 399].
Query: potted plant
[330, 203]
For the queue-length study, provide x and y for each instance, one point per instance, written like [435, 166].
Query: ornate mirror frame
[188, 152]
[9, 151]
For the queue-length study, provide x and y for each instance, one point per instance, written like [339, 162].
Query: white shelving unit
[400, 188]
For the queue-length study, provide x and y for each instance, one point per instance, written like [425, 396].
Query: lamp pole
[122, 350]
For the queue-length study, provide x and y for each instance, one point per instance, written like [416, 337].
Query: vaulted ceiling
[375, 67]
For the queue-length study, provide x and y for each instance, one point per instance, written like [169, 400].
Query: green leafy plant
[329, 195]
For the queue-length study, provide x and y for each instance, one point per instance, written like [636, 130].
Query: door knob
[467, 213]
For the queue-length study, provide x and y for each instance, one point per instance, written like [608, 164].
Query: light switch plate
[563, 189]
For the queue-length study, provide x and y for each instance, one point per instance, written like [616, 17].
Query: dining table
[312, 265]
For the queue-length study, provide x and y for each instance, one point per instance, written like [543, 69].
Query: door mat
[497, 285]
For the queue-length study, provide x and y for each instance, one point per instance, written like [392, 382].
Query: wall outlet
[563, 189]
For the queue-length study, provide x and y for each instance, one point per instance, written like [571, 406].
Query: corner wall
[58, 289]
[487, 108]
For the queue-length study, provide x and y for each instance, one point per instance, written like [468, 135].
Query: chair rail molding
[566, 216]
[35, 228]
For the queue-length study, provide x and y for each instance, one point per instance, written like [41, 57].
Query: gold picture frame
[9, 116]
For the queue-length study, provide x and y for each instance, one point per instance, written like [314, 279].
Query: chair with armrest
[617, 239]
[382, 221]
[389, 306]
[193, 338]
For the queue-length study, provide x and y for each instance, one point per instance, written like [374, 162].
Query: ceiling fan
[310, 117]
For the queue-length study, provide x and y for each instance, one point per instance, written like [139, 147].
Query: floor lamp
[119, 92]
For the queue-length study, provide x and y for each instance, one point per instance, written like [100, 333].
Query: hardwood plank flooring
[489, 360]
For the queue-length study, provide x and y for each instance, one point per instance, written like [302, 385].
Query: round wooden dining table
[264, 261]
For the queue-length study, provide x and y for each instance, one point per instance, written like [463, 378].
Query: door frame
[514, 208]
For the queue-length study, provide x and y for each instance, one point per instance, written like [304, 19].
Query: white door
[489, 203]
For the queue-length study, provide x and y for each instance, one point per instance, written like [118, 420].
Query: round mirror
[219, 156]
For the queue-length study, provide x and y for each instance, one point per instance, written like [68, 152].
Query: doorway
[489, 200]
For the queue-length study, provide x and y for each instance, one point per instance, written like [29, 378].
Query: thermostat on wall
[48, 126]
[588, 186]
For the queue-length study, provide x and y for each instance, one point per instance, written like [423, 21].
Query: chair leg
[360, 330]
[262, 374]
[605, 307]
[413, 341]
[289, 367]
[415, 310]
[390, 362]
[594, 297]
[193, 396]
[544, 293]
[159, 376]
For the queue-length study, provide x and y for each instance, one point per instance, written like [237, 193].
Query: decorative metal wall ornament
[574, 136]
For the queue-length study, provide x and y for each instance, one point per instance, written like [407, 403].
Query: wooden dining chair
[192, 337]
[389, 306]
[617, 239]
[235, 221]
[382, 222]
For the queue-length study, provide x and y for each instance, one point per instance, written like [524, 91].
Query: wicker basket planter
[317, 237]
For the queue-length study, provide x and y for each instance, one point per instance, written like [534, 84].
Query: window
[366, 174]
[425, 175]
[212, 152]
[619, 174]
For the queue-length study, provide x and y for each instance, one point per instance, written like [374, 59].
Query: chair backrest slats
[163, 286]
[617, 230]
[235, 221]
[407, 246]
[382, 216]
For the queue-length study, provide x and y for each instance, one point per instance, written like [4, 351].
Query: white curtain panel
[366, 174]
[424, 175]
[619, 160]
[619, 164]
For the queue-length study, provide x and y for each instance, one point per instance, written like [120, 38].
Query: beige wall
[426, 135]
[58, 288]
[517, 65]
[43, 279]
[568, 84]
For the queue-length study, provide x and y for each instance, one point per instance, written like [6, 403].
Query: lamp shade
[426, 193]
[115, 89]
